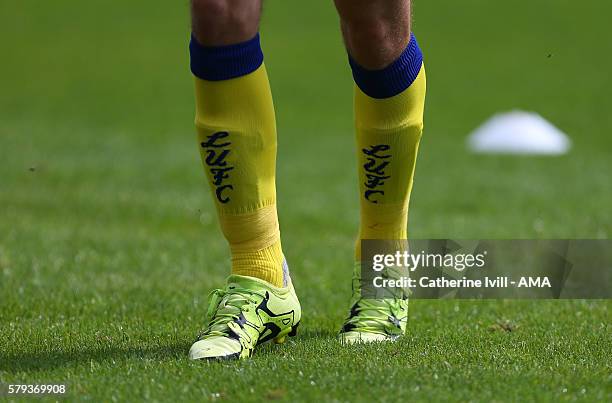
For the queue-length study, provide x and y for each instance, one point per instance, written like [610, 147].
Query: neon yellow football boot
[374, 319]
[248, 312]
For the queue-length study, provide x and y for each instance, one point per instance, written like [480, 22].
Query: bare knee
[224, 22]
[375, 31]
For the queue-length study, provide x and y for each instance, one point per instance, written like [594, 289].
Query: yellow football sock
[388, 134]
[237, 137]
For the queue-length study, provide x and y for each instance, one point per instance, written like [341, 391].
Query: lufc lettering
[217, 150]
[377, 159]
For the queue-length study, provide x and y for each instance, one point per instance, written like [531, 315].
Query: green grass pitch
[109, 244]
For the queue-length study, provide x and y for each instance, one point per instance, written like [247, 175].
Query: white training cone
[518, 132]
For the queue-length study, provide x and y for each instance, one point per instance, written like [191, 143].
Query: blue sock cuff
[394, 78]
[216, 63]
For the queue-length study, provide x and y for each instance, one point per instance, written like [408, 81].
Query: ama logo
[539, 282]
